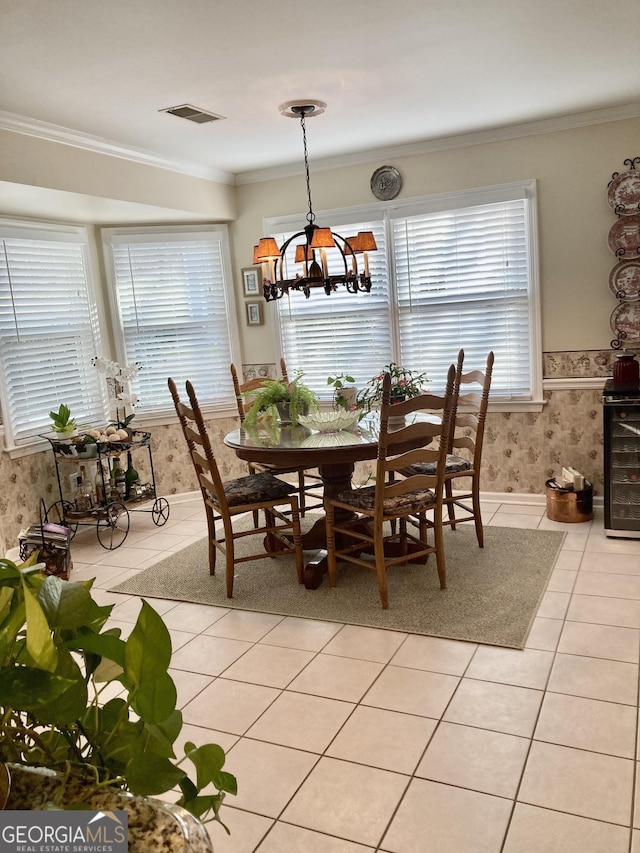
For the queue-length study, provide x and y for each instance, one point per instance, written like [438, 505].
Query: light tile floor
[347, 739]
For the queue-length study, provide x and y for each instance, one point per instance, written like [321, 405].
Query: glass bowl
[329, 421]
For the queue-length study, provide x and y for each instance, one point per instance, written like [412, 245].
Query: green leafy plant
[404, 384]
[61, 421]
[343, 395]
[57, 658]
[301, 399]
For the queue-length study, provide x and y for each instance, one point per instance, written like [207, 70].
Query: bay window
[49, 329]
[174, 311]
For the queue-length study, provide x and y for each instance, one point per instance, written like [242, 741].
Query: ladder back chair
[432, 467]
[243, 399]
[225, 500]
[471, 399]
[364, 513]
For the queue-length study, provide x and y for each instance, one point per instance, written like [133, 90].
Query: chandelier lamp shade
[306, 251]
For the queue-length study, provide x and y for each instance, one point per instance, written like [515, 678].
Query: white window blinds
[453, 270]
[48, 330]
[462, 279]
[173, 313]
[343, 332]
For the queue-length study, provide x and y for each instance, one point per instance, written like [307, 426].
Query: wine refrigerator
[621, 460]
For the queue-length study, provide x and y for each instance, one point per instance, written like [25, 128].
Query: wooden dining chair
[447, 485]
[225, 500]
[464, 446]
[307, 478]
[361, 523]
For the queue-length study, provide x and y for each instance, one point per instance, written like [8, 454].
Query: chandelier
[312, 253]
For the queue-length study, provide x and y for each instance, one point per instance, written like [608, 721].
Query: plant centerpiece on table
[405, 384]
[58, 657]
[121, 398]
[344, 392]
[62, 422]
[291, 399]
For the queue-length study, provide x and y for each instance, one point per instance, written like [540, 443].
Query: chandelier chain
[311, 215]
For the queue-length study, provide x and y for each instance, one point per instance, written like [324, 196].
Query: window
[338, 333]
[451, 271]
[170, 301]
[48, 329]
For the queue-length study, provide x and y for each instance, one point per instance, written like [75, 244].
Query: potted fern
[288, 399]
[63, 746]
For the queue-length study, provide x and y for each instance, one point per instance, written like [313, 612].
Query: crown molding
[465, 140]
[56, 133]
[65, 136]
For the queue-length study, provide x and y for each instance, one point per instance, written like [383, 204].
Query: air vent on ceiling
[192, 114]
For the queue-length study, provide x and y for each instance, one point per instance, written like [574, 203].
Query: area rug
[492, 593]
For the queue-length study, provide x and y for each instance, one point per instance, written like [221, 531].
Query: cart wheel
[112, 526]
[58, 514]
[160, 511]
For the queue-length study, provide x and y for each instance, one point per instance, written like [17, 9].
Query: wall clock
[386, 183]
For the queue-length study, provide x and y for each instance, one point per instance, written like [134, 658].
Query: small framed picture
[254, 314]
[258, 371]
[251, 281]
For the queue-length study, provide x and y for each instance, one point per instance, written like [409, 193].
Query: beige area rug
[492, 593]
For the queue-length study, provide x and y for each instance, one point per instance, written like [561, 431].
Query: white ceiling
[392, 73]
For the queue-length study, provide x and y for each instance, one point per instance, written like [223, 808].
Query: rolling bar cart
[109, 510]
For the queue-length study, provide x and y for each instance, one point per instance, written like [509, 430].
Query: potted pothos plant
[290, 399]
[58, 659]
[344, 391]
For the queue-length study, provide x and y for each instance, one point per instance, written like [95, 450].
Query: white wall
[137, 192]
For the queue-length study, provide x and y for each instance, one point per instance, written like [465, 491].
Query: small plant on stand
[121, 399]
[62, 422]
[344, 394]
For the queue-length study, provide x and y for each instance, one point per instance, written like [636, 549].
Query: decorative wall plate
[625, 321]
[624, 281]
[386, 183]
[624, 236]
[623, 193]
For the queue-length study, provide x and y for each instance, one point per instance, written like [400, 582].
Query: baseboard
[525, 498]
[494, 497]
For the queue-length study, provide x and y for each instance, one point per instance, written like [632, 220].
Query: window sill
[29, 449]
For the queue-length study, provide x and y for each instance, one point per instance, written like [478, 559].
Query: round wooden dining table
[334, 454]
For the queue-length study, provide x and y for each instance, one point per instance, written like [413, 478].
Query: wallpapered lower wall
[521, 451]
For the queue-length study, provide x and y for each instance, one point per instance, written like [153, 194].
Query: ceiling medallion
[386, 183]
